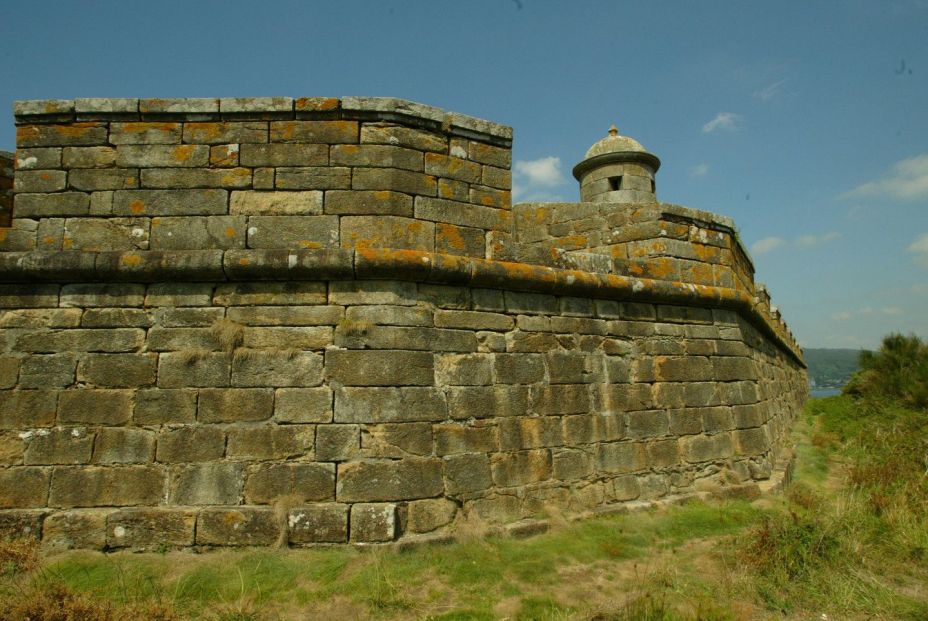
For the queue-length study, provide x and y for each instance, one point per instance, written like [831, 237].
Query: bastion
[249, 322]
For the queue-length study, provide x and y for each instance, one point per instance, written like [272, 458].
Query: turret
[617, 169]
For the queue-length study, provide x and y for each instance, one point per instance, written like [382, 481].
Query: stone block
[378, 156]
[160, 407]
[22, 487]
[48, 371]
[387, 480]
[191, 443]
[121, 445]
[388, 133]
[522, 303]
[182, 339]
[46, 157]
[487, 401]
[388, 315]
[284, 155]
[117, 370]
[95, 406]
[452, 438]
[521, 468]
[394, 179]
[496, 508]
[270, 441]
[292, 231]
[373, 522]
[162, 156]
[561, 399]
[198, 233]
[451, 167]
[192, 369]
[303, 405]
[363, 232]
[111, 486]
[753, 441]
[285, 315]
[71, 134]
[379, 368]
[98, 180]
[170, 178]
[728, 369]
[276, 203]
[117, 318]
[620, 457]
[216, 483]
[454, 190]
[467, 473]
[31, 296]
[50, 205]
[461, 214]
[490, 197]
[396, 440]
[85, 295]
[145, 133]
[225, 132]
[464, 370]
[176, 294]
[459, 240]
[12, 449]
[337, 442]
[389, 405]
[209, 202]
[663, 453]
[276, 369]
[270, 293]
[519, 368]
[473, 320]
[685, 421]
[352, 293]
[702, 448]
[364, 203]
[21, 524]
[68, 530]
[294, 482]
[40, 181]
[717, 419]
[242, 526]
[232, 405]
[224, 155]
[629, 397]
[59, 445]
[683, 369]
[571, 464]
[318, 523]
[647, 424]
[319, 132]
[312, 178]
[150, 529]
[288, 338]
[424, 516]
[523, 432]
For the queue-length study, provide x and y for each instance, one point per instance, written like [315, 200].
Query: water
[825, 392]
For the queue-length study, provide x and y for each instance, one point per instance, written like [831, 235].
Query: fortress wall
[6, 188]
[156, 174]
[241, 322]
[142, 415]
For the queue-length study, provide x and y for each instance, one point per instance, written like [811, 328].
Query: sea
[825, 392]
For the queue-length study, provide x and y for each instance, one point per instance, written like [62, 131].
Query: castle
[321, 321]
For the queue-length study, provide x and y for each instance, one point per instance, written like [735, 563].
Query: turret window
[615, 183]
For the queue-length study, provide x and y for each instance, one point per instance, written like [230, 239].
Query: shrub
[899, 371]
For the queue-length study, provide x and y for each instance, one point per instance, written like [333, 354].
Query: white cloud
[728, 121]
[700, 170]
[885, 310]
[919, 289]
[811, 241]
[770, 91]
[533, 179]
[920, 249]
[891, 310]
[767, 244]
[906, 181]
[842, 316]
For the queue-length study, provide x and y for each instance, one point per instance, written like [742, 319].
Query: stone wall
[188, 366]
[6, 188]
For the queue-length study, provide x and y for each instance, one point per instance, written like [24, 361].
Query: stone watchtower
[617, 169]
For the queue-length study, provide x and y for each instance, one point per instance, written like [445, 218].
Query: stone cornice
[339, 264]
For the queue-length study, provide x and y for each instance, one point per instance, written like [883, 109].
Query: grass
[849, 540]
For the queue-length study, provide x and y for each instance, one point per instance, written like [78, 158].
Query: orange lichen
[48, 240]
[75, 130]
[230, 232]
[451, 236]
[311, 245]
[243, 261]
[182, 153]
[130, 260]
[137, 206]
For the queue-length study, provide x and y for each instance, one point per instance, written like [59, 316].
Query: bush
[898, 371]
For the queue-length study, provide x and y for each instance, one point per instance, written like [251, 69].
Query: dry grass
[229, 334]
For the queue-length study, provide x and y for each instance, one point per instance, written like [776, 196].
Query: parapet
[322, 321]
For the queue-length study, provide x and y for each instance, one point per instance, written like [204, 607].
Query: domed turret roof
[614, 143]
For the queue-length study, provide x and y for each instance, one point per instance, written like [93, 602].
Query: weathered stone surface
[337, 442]
[23, 524]
[387, 405]
[286, 315]
[48, 371]
[464, 370]
[117, 370]
[521, 468]
[373, 522]
[160, 406]
[620, 457]
[95, 407]
[49, 205]
[312, 178]
[270, 293]
[363, 232]
[276, 203]
[397, 180]
[379, 368]
[351, 293]
[270, 442]
[303, 405]
[396, 440]
[278, 369]
[150, 529]
[215, 483]
[427, 515]
[115, 445]
[83, 528]
[171, 178]
[145, 133]
[198, 233]
[299, 483]
[706, 448]
[112, 486]
[170, 202]
[220, 133]
[243, 526]
[59, 445]
[388, 133]
[451, 438]
[380, 480]
[288, 338]
[357, 203]
[191, 443]
[193, 368]
[23, 487]
[321, 132]
[319, 523]
[73, 134]
[383, 156]
[158, 156]
[292, 231]
[231, 405]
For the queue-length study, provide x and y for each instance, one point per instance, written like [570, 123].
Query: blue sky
[804, 121]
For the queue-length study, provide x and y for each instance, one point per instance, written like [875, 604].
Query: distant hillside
[831, 367]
